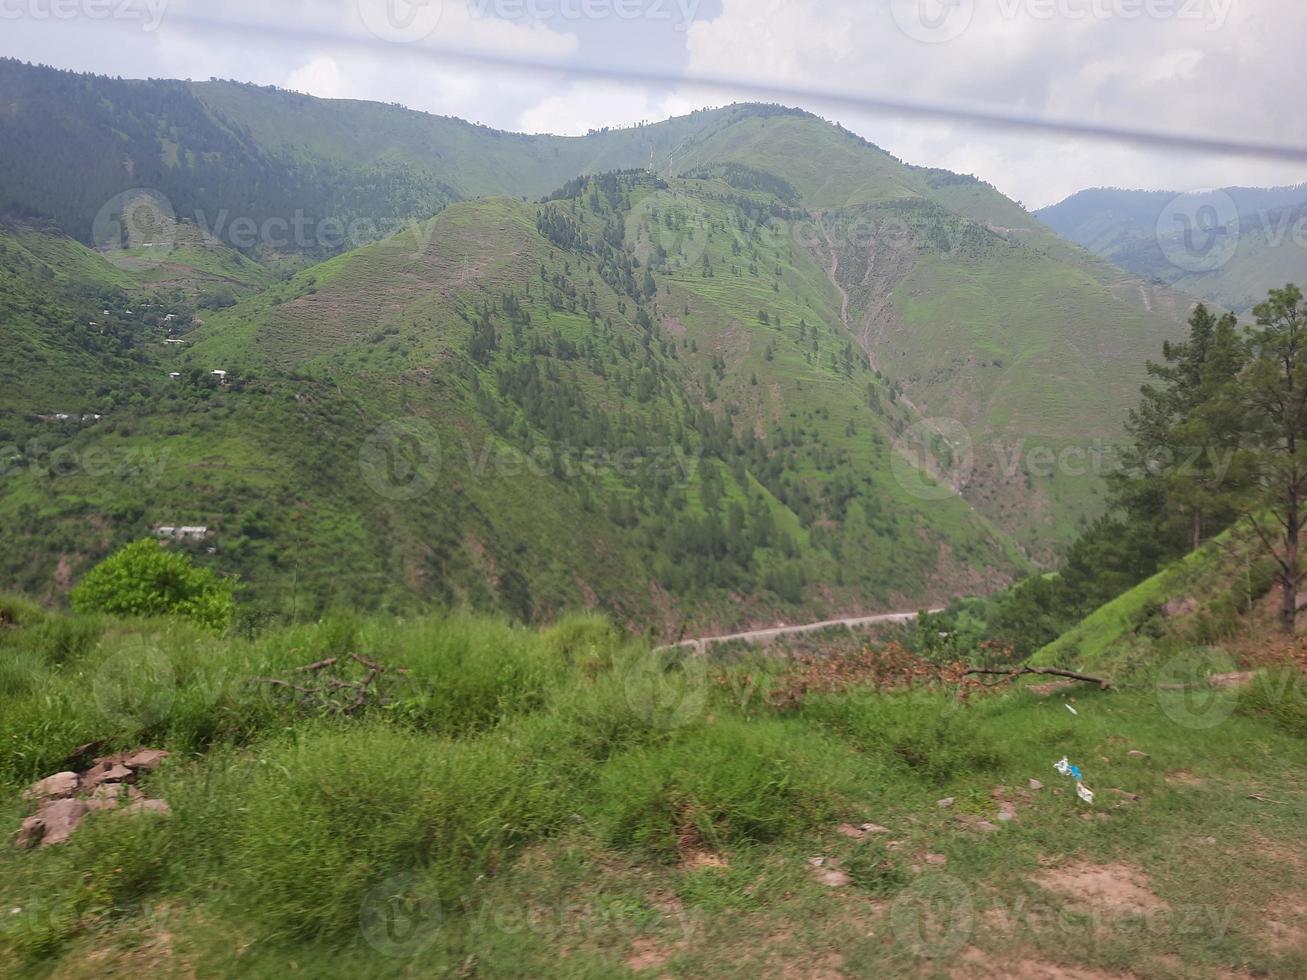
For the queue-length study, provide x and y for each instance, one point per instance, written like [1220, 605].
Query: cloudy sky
[1216, 67]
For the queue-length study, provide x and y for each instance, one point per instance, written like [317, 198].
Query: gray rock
[948, 801]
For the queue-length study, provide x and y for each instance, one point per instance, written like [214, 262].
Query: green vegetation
[617, 799]
[144, 579]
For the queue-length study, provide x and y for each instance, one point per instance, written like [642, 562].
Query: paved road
[761, 636]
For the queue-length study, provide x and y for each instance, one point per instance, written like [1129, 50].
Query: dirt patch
[1286, 924]
[976, 963]
[647, 954]
[1183, 777]
[827, 967]
[1120, 889]
[1275, 852]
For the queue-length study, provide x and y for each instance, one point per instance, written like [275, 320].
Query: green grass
[1220, 579]
[548, 815]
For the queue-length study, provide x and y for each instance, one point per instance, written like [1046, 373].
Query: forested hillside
[772, 372]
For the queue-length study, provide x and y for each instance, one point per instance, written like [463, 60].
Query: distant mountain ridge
[1227, 245]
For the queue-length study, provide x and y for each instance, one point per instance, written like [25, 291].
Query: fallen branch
[1012, 673]
[354, 695]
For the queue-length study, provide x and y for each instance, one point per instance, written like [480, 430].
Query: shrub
[318, 820]
[732, 782]
[145, 579]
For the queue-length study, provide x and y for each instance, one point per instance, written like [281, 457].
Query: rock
[874, 828]
[105, 771]
[972, 822]
[848, 830]
[29, 835]
[936, 859]
[834, 878]
[159, 807]
[1131, 797]
[54, 787]
[816, 862]
[59, 819]
[146, 759]
[948, 801]
[1007, 812]
[105, 797]
[1136, 754]
[1036, 784]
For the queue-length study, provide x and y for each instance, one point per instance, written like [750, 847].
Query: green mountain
[691, 387]
[1227, 246]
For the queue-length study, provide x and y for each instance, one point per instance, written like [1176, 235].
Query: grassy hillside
[1028, 347]
[570, 803]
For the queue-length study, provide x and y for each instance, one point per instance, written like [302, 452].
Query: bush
[319, 820]
[145, 579]
[732, 782]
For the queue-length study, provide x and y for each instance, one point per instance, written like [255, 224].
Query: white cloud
[320, 77]
[1222, 74]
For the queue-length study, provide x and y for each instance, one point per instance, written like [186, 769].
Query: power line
[899, 105]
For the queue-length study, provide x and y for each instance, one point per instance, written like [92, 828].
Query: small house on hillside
[171, 532]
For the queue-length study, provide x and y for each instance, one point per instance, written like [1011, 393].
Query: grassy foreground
[568, 802]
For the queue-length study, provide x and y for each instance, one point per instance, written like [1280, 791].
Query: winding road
[761, 636]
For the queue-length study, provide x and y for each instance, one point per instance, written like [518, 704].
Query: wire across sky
[984, 116]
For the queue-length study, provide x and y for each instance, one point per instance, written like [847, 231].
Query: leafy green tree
[146, 579]
[1276, 389]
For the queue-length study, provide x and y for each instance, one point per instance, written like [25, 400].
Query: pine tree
[1276, 389]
